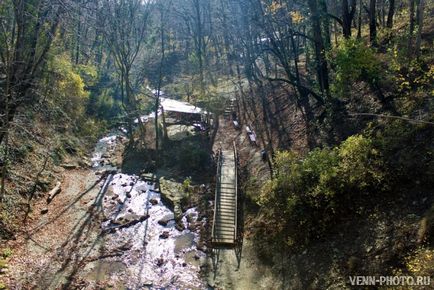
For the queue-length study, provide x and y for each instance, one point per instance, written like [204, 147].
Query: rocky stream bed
[158, 250]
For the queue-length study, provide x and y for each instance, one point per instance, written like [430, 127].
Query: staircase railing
[217, 188]
[236, 188]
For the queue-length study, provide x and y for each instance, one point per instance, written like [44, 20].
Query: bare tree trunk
[325, 23]
[335, 29]
[321, 62]
[419, 20]
[5, 135]
[199, 43]
[160, 80]
[372, 22]
[348, 12]
[411, 29]
[390, 13]
[77, 34]
[359, 26]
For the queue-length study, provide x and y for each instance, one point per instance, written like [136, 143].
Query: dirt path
[54, 248]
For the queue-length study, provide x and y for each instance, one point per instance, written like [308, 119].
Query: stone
[193, 226]
[160, 262]
[201, 246]
[69, 166]
[202, 216]
[85, 163]
[165, 220]
[148, 284]
[126, 247]
[202, 262]
[144, 217]
[180, 226]
[148, 177]
[211, 285]
[183, 242]
[162, 223]
[190, 217]
[164, 235]
[153, 201]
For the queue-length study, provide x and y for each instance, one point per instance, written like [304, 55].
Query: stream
[155, 253]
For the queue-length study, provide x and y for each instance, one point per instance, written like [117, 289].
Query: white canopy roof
[170, 105]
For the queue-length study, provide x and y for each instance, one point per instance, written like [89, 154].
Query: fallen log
[55, 191]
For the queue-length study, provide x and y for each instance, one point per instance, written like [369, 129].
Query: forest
[121, 121]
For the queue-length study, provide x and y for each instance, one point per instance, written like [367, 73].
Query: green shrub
[354, 61]
[186, 184]
[192, 158]
[7, 252]
[306, 196]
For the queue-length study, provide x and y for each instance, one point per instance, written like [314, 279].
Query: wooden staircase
[224, 230]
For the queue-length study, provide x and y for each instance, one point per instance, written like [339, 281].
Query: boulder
[153, 201]
[171, 193]
[183, 242]
[180, 226]
[164, 235]
[160, 262]
[165, 220]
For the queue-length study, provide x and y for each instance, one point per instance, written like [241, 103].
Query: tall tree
[125, 26]
[373, 22]
[411, 28]
[419, 22]
[390, 13]
[321, 62]
[348, 12]
[27, 32]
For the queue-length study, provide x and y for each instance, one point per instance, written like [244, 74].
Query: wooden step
[229, 219]
[221, 226]
[224, 227]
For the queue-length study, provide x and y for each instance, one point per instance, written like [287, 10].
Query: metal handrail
[217, 188]
[236, 188]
